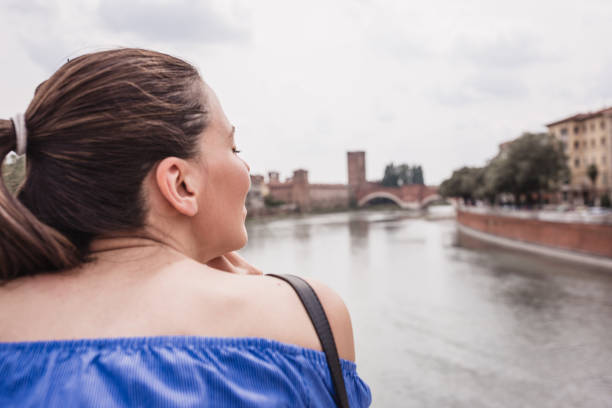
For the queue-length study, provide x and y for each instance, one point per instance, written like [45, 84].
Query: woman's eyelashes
[236, 150]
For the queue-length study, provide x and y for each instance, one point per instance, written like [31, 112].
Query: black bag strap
[317, 315]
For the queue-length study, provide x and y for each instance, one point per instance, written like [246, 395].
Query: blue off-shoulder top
[170, 371]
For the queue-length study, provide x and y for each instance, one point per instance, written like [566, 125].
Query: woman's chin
[242, 240]
[245, 237]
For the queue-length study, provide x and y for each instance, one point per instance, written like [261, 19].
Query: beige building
[587, 139]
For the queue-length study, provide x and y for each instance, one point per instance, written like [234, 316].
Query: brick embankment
[588, 238]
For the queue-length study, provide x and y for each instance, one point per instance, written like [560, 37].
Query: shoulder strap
[317, 315]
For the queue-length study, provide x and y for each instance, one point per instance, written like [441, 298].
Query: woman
[114, 256]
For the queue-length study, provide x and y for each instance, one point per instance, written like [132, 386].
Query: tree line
[523, 171]
[401, 175]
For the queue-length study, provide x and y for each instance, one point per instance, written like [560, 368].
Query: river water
[443, 320]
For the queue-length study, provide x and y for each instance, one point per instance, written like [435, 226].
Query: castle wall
[329, 196]
[281, 192]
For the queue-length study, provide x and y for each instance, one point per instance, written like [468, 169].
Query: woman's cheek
[246, 178]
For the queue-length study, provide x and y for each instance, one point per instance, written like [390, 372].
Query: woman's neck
[133, 252]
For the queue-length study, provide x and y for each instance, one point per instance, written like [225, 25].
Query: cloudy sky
[437, 83]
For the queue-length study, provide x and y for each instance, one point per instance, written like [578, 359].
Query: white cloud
[439, 83]
[177, 21]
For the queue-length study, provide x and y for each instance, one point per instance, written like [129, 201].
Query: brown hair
[95, 129]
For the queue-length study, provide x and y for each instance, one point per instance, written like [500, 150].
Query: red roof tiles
[582, 116]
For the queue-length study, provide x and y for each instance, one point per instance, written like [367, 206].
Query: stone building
[255, 197]
[587, 139]
[306, 196]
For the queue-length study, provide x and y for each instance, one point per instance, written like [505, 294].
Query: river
[443, 320]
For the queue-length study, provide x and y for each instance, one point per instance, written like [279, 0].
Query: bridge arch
[430, 199]
[379, 194]
[383, 194]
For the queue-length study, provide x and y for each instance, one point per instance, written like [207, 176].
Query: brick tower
[301, 191]
[356, 173]
[274, 177]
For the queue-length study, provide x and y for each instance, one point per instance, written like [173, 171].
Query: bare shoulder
[339, 318]
[291, 322]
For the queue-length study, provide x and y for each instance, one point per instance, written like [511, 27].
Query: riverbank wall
[571, 232]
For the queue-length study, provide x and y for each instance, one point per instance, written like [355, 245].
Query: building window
[576, 129]
[576, 144]
[602, 124]
[564, 145]
[576, 162]
[603, 141]
[563, 131]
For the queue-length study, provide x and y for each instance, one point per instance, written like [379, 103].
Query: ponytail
[27, 246]
[95, 129]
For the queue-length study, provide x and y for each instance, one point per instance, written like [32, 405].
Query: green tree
[463, 183]
[391, 176]
[534, 163]
[592, 173]
[497, 177]
[417, 175]
[531, 165]
[402, 174]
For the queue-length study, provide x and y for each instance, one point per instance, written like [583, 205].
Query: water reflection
[442, 319]
[518, 283]
[359, 228]
[301, 232]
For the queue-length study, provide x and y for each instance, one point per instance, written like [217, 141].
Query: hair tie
[21, 133]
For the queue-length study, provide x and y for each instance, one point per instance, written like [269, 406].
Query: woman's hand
[233, 263]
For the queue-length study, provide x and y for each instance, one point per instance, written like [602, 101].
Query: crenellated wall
[310, 196]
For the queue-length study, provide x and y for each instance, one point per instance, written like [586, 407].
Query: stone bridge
[414, 196]
[298, 192]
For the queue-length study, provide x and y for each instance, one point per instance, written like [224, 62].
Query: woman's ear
[177, 185]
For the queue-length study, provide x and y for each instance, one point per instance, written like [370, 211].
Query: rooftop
[579, 117]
